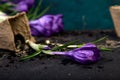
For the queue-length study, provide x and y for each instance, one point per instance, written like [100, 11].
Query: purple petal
[50, 23]
[34, 22]
[47, 48]
[22, 6]
[37, 30]
[85, 54]
[46, 21]
[57, 23]
[30, 2]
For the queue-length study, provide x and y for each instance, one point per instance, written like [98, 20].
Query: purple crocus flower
[21, 5]
[47, 25]
[88, 53]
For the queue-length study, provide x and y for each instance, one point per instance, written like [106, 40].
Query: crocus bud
[88, 53]
[47, 25]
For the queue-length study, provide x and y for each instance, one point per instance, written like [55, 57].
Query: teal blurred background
[83, 14]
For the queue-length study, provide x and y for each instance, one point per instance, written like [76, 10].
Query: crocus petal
[83, 56]
[37, 30]
[30, 2]
[46, 21]
[46, 48]
[22, 6]
[57, 23]
[51, 23]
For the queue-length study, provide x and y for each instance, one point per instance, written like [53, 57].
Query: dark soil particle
[46, 67]
[87, 67]
[7, 65]
[100, 66]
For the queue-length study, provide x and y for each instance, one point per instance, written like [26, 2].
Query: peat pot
[115, 13]
[14, 31]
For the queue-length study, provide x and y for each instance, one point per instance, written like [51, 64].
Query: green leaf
[6, 7]
[30, 14]
[101, 39]
[94, 42]
[13, 13]
[30, 56]
[64, 46]
[105, 49]
[36, 10]
[43, 12]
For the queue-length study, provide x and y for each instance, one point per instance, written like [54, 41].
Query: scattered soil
[46, 67]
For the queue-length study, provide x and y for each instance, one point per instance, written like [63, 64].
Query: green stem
[105, 49]
[101, 39]
[63, 46]
[43, 12]
[36, 47]
[78, 46]
[30, 56]
[47, 52]
[94, 42]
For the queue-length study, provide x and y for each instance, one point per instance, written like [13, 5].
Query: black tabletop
[63, 68]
